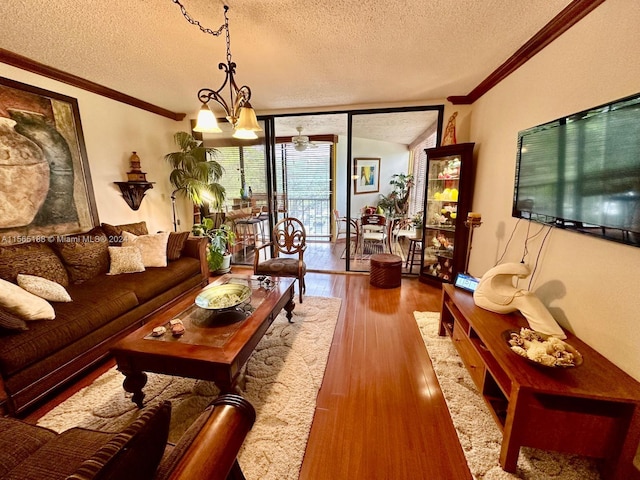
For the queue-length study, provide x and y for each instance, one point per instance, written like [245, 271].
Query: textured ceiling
[293, 54]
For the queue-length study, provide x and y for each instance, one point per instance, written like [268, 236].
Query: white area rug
[479, 436]
[282, 379]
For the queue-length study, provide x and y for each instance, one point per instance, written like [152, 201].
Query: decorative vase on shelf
[24, 177]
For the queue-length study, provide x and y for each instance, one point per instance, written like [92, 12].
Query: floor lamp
[173, 208]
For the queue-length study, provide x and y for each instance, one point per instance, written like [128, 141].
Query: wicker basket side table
[386, 270]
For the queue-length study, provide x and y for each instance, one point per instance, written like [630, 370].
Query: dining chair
[341, 226]
[402, 227]
[374, 232]
[289, 244]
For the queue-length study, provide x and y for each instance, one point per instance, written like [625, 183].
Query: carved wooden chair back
[289, 236]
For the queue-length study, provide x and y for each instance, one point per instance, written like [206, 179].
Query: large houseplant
[195, 173]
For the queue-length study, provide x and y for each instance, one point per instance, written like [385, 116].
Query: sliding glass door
[304, 165]
[304, 178]
[247, 187]
[306, 153]
[387, 178]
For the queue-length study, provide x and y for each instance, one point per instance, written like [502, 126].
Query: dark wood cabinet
[447, 201]
[591, 410]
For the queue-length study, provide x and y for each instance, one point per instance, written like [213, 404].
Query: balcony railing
[314, 213]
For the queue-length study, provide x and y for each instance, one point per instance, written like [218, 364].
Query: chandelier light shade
[237, 108]
[206, 121]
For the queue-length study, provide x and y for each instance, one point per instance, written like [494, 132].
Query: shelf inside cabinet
[498, 408]
[446, 228]
[448, 327]
[457, 317]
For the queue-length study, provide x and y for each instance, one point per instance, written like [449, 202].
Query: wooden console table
[591, 410]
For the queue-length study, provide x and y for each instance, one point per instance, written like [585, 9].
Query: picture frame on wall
[366, 175]
[45, 183]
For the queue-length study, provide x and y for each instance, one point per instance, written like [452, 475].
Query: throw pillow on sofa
[43, 288]
[85, 255]
[12, 322]
[114, 232]
[125, 260]
[175, 244]
[153, 247]
[24, 304]
[33, 258]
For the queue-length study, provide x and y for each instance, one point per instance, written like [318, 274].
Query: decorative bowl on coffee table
[223, 297]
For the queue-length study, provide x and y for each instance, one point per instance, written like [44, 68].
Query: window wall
[305, 176]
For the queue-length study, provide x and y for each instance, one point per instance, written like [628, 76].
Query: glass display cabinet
[447, 201]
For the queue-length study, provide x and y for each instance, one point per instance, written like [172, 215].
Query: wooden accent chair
[288, 238]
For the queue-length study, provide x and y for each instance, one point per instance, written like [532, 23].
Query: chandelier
[237, 108]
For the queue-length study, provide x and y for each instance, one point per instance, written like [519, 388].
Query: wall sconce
[133, 190]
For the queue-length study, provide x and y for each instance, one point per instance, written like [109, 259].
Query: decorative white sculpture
[497, 293]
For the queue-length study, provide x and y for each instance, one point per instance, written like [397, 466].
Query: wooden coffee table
[215, 345]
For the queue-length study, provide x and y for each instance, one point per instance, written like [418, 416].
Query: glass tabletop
[214, 327]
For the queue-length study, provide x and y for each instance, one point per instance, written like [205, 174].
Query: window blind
[238, 161]
[305, 176]
[416, 204]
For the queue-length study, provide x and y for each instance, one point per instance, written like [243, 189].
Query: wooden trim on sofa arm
[213, 452]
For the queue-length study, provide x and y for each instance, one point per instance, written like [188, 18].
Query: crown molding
[562, 22]
[25, 63]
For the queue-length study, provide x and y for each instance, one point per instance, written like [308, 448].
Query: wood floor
[380, 412]
[328, 257]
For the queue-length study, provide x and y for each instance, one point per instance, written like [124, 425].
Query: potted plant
[195, 173]
[220, 240]
[417, 222]
[218, 253]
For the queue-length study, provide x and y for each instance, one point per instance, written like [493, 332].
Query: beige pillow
[43, 288]
[153, 247]
[125, 260]
[24, 304]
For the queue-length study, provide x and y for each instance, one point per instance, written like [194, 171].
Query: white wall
[590, 285]
[112, 130]
[394, 158]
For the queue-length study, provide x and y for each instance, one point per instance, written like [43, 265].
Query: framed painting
[45, 184]
[367, 175]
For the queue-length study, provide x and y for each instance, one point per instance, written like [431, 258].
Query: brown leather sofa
[207, 450]
[104, 308]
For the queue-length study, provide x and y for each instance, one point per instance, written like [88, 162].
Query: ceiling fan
[301, 142]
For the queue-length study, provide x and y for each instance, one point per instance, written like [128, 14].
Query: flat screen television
[582, 172]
